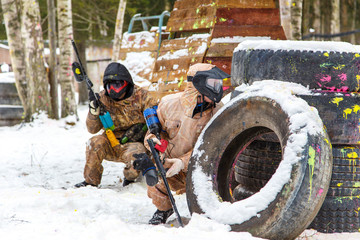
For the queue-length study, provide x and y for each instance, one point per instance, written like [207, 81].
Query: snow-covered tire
[340, 210]
[333, 71]
[290, 200]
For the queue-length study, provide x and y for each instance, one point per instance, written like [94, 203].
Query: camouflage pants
[99, 149]
[159, 195]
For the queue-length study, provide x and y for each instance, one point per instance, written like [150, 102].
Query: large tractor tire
[340, 210]
[281, 206]
[325, 70]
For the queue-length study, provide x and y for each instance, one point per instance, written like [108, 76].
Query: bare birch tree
[353, 22]
[335, 18]
[65, 32]
[118, 30]
[52, 58]
[11, 13]
[296, 19]
[38, 87]
[317, 17]
[286, 17]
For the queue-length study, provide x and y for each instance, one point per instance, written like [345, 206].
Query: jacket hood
[189, 99]
[116, 71]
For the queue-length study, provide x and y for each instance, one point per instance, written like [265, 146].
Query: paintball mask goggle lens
[214, 85]
[116, 89]
[116, 86]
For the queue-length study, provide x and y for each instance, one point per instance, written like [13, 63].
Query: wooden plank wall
[218, 19]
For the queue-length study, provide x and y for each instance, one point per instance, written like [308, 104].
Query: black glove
[93, 103]
[144, 164]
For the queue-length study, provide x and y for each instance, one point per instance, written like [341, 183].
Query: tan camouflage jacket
[124, 113]
[182, 130]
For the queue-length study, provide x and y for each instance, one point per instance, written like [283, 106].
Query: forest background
[25, 27]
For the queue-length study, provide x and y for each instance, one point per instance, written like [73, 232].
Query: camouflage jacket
[124, 113]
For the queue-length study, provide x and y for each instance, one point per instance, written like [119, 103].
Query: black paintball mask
[117, 81]
[210, 83]
[116, 89]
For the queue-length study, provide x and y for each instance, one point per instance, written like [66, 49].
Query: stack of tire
[243, 149]
[334, 77]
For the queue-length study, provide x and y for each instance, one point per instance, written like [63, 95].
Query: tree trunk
[306, 27]
[11, 15]
[286, 17]
[353, 23]
[296, 19]
[38, 86]
[52, 58]
[118, 30]
[335, 18]
[65, 31]
[317, 17]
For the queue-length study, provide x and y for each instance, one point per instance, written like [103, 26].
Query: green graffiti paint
[326, 65]
[343, 152]
[311, 162]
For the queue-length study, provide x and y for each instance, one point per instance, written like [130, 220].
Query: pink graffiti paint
[325, 78]
[318, 150]
[320, 192]
[343, 89]
[343, 77]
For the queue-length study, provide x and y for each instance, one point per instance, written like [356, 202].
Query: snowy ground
[41, 161]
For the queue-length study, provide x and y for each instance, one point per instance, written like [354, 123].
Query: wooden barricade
[208, 31]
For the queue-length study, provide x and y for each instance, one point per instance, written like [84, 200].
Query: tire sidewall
[297, 202]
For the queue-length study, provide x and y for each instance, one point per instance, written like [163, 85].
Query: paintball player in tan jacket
[182, 117]
[125, 102]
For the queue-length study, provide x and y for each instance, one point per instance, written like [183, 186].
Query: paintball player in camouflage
[125, 102]
[182, 117]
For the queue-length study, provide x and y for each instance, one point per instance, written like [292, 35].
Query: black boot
[83, 184]
[127, 182]
[160, 216]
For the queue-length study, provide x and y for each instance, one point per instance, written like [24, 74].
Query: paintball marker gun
[162, 171]
[154, 126]
[105, 118]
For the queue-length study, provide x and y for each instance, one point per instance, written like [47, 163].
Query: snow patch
[287, 45]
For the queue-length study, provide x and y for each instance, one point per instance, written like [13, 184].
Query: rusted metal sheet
[246, 3]
[274, 32]
[248, 16]
[193, 12]
[175, 64]
[191, 43]
[182, 4]
[221, 49]
[174, 60]
[190, 24]
[165, 76]
[224, 63]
